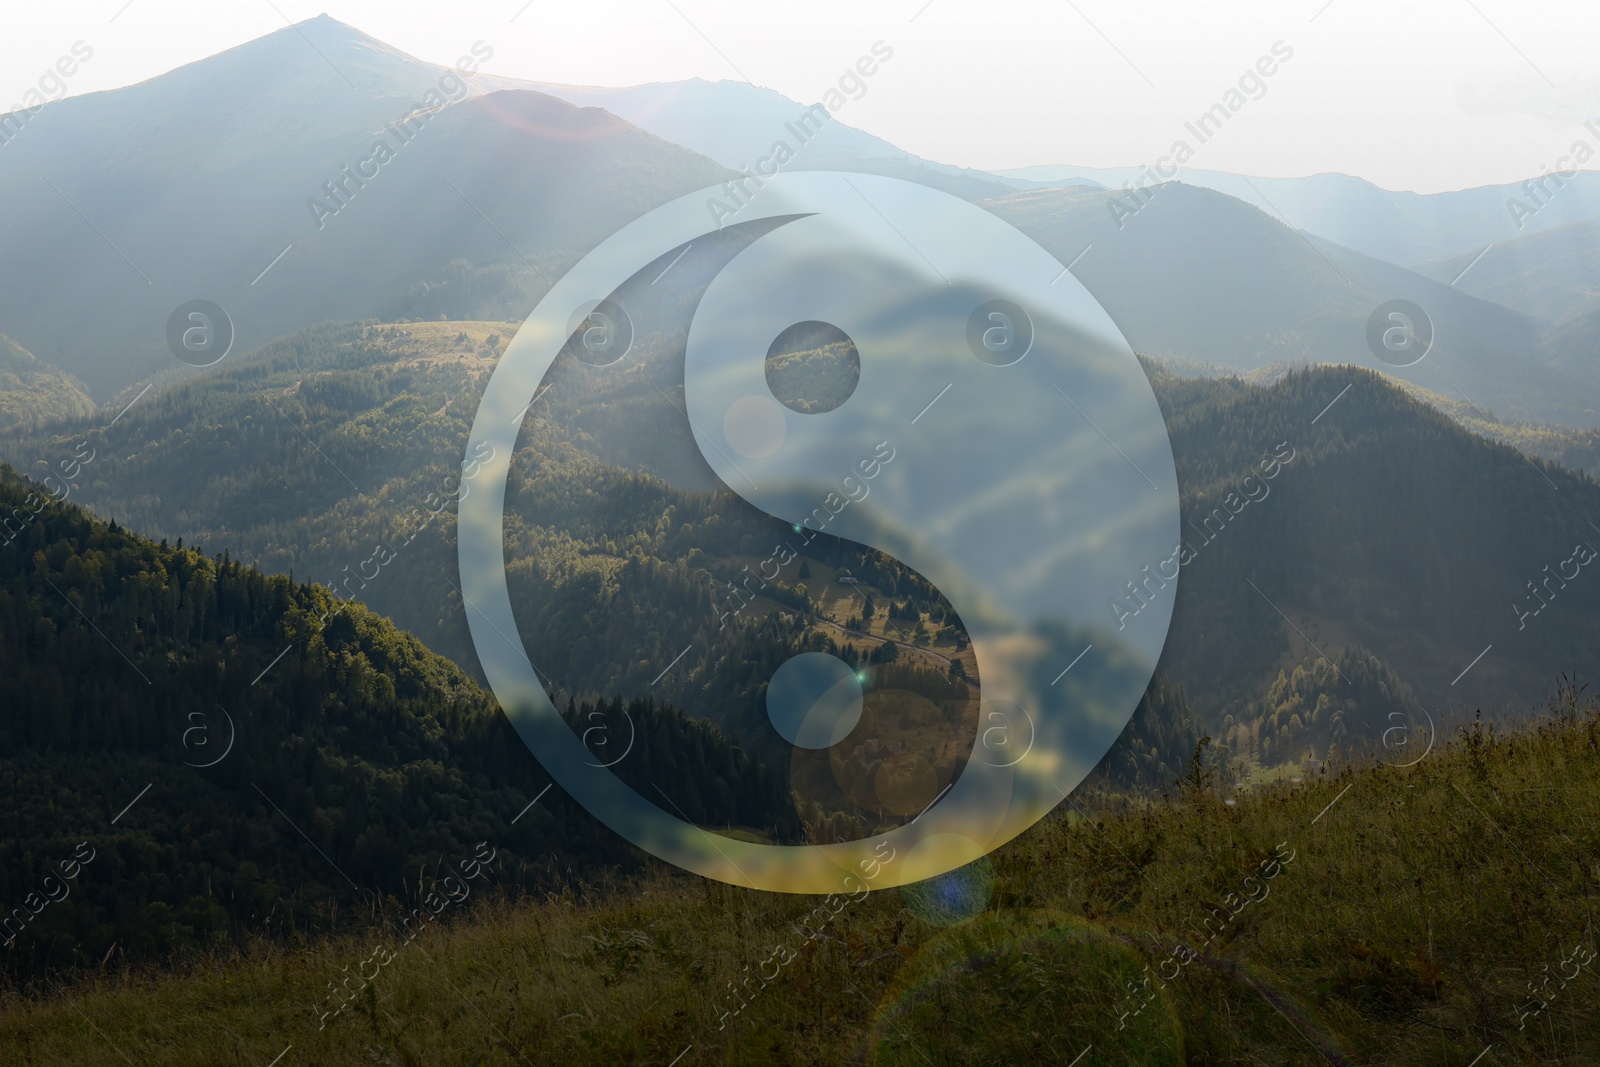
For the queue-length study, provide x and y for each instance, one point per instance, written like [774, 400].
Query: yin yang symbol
[995, 448]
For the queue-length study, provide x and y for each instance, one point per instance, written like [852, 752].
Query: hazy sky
[1437, 94]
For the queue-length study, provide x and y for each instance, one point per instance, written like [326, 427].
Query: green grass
[1418, 905]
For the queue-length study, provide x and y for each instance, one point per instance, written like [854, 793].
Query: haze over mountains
[238, 179]
[117, 207]
[1553, 274]
[489, 187]
[736, 124]
[1402, 227]
[1198, 275]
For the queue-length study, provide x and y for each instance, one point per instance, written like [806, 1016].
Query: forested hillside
[244, 754]
[216, 753]
[33, 393]
[335, 456]
[1392, 531]
[335, 449]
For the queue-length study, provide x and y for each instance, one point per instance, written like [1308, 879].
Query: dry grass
[1406, 929]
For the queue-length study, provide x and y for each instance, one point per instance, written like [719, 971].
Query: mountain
[1393, 532]
[737, 124]
[1552, 275]
[1400, 227]
[1389, 502]
[484, 189]
[276, 755]
[1574, 345]
[238, 180]
[1199, 275]
[32, 392]
[336, 454]
[1577, 450]
[225, 756]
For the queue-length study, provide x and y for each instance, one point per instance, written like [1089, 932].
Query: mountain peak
[324, 30]
[297, 61]
[326, 23]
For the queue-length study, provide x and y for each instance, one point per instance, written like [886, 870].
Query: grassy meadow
[1441, 913]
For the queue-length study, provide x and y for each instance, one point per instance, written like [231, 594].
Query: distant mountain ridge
[202, 184]
[1553, 274]
[737, 124]
[1405, 228]
[1199, 275]
[328, 177]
